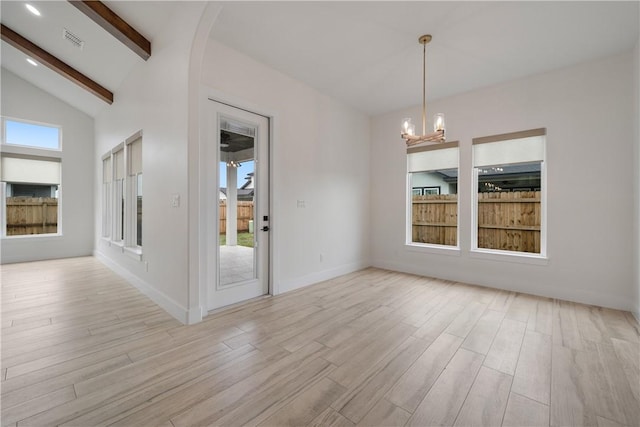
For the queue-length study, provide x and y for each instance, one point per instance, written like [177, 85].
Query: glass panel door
[237, 207]
[238, 211]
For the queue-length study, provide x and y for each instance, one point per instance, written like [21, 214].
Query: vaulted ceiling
[363, 53]
[102, 57]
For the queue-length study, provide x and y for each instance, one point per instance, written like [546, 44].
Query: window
[122, 195]
[107, 174]
[30, 172]
[509, 177]
[118, 194]
[433, 194]
[31, 135]
[134, 185]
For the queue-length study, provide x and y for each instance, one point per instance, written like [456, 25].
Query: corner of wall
[169, 305]
[196, 287]
[23, 100]
[321, 276]
[636, 161]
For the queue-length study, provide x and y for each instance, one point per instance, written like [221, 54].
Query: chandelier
[408, 132]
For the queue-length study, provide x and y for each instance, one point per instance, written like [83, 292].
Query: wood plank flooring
[80, 347]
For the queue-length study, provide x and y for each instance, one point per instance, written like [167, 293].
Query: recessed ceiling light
[32, 62]
[32, 9]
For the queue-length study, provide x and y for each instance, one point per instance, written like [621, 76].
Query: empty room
[322, 213]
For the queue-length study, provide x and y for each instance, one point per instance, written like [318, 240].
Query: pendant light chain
[407, 128]
[424, 88]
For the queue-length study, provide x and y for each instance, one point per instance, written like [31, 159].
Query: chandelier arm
[435, 137]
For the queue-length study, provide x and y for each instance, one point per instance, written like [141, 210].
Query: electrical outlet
[175, 200]
[301, 204]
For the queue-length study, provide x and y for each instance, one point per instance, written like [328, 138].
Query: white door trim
[209, 218]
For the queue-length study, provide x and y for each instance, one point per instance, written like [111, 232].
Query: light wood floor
[82, 348]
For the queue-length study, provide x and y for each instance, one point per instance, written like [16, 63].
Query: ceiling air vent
[72, 38]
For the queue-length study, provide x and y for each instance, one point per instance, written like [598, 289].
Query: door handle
[265, 228]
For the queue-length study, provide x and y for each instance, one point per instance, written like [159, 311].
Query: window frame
[118, 199]
[30, 153]
[131, 196]
[516, 256]
[119, 202]
[430, 247]
[30, 147]
[107, 197]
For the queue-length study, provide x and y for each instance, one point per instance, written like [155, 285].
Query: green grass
[244, 239]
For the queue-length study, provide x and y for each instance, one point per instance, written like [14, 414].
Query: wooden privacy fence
[509, 221]
[435, 219]
[31, 215]
[245, 214]
[506, 220]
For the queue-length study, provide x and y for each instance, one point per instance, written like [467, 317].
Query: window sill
[135, 253]
[119, 244]
[47, 236]
[508, 256]
[433, 249]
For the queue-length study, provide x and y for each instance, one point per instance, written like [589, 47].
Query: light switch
[175, 200]
[301, 204]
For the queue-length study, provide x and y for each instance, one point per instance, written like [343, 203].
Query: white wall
[588, 113]
[154, 99]
[320, 154]
[22, 100]
[328, 167]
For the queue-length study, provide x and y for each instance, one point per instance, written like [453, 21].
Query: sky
[32, 135]
[244, 169]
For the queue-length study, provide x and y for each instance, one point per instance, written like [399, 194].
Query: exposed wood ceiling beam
[47, 59]
[114, 25]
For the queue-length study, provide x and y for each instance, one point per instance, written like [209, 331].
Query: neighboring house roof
[249, 183]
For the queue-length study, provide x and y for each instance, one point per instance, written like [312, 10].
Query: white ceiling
[363, 53]
[367, 53]
[103, 58]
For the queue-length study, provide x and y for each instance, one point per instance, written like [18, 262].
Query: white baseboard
[320, 276]
[195, 315]
[547, 291]
[169, 305]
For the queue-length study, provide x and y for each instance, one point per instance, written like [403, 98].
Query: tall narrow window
[433, 194]
[118, 195]
[107, 173]
[31, 176]
[509, 175]
[134, 184]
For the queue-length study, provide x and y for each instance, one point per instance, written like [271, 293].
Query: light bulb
[438, 122]
[408, 128]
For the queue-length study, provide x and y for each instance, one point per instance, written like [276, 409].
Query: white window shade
[106, 170]
[432, 158]
[521, 150]
[118, 160]
[135, 157]
[30, 171]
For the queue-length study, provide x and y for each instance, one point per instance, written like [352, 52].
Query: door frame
[207, 134]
